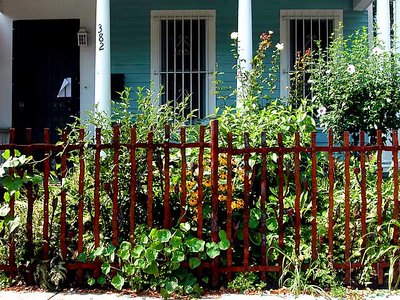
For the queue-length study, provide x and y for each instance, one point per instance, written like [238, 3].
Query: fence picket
[46, 175]
[29, 214]
[183, 174]
[167, 183]
[97, 184]
[263, 200]
[347, 209]
[214, 197]
[200, 191]
[298, 193]
[132, 193]
[11, 257]
[363, 186]
[331, 174]
[229, 198]
[314, 195]
[379, 196]
[63, 196]
[81, 192]
[150, 179]
[281, 206]
[395, 158]
[246, 209]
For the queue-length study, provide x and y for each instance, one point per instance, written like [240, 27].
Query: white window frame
[209, 16]
[285, 17]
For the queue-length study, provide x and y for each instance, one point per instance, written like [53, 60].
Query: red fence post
[96, 200]
[229, 205]
[29, 215]
[347, 209]
[183, 174]
[281, 205]
[214, 197]
[167, 206]
[246, 210]
[132, 187]
[116, 147]
[314, 194]
[379, 195]
[331, 173]
[81, 192]
[200, 185]
[63, 196]
[150, 180]
[263, 200]
[298, 193]
[395, 158]
[11, 257]
[46, 244]
[363, 186]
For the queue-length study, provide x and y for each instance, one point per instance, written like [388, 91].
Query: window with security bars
[182, 61]
[304, 32]
[307, 35]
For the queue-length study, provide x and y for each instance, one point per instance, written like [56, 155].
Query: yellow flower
[237, 204]
[223, 176]
[192, 201]
[221, 197]
[222, 187]
[190, 184]
[207, 183]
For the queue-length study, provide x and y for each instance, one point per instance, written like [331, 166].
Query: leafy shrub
[154, 262]
[355, 87]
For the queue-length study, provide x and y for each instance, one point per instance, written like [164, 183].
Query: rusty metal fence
[283, 219]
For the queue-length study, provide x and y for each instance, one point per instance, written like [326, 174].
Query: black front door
[45, 75]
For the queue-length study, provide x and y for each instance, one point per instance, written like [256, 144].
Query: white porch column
[245, 39]
[102, 90]
[383, 22]
[383, 34]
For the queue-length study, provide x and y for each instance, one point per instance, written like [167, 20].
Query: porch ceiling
[361, 4]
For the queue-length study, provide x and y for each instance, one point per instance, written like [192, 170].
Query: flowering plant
[355, 87]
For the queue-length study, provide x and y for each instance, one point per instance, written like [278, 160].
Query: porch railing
[264, 197]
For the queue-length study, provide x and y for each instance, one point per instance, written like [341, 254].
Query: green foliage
[355, 87]
[303, 280]
[51, 275]
[257, 86]
[246, 282]
[13, 183]
[154, 262]
[148, 117]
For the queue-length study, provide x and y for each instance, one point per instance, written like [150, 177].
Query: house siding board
[130, 31]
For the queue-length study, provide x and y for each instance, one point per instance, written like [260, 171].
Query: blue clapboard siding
[130, 30]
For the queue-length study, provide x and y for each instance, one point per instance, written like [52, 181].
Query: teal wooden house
[60, 57]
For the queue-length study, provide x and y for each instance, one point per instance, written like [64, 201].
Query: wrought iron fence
[329, 198]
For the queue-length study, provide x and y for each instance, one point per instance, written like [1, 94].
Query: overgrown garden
[251, 203]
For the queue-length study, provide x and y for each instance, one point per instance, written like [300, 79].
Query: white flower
[310, 81]
[377, 51]
[280, 46]
[351, 69]
[234, 35]
[270, 32]
[328, 71]
[321, 111]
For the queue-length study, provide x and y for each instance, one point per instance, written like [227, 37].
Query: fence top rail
[179, 144]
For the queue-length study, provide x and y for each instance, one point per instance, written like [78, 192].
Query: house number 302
[101, 38]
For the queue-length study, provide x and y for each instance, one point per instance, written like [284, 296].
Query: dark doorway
[45, 59]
